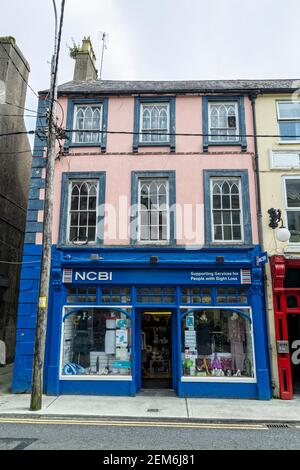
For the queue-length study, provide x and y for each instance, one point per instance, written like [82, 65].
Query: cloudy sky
[162, 39]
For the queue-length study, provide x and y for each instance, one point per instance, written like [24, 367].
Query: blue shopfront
[122, 320]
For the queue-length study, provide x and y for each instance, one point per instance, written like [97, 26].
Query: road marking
[103, 422]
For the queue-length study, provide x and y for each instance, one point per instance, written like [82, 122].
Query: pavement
[148, 406]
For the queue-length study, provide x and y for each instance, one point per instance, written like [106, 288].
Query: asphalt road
[115, 435]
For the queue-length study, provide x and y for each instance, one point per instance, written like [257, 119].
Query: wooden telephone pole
[40, 337]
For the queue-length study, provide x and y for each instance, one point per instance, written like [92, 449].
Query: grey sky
[163, 39]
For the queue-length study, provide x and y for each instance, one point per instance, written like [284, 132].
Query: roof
[116, 87]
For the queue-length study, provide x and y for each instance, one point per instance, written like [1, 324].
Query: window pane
[153, 222]
[293, 192]
[289, 110]
[289, 130]
[294, 225]
[218, 343]
[87, 118]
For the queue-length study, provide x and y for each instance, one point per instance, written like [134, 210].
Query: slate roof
[116, 87]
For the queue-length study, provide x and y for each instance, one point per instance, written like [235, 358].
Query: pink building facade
[154, 279]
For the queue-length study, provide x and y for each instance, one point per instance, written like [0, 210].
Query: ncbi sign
[73, 275]
[156, 276]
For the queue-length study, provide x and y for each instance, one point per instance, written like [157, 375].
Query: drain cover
[278, 425]
[153, 410]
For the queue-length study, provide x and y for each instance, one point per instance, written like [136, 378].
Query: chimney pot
[85, 62]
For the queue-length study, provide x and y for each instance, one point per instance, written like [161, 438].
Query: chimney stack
[85, 62]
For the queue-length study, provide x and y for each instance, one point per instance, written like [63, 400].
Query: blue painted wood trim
[66, 178]
[138, 100]
[242, 142]
[70, 122]
[135, 176]
[243, 174]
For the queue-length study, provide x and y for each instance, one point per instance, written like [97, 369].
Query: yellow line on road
[84, 422]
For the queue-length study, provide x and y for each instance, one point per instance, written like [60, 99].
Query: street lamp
[282, 233]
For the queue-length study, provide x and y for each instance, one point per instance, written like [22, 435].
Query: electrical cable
[175, 134]
[21, 107]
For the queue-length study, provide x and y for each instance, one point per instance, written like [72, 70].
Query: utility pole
[40, 337]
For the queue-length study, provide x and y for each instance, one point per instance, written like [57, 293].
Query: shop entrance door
[156, 349]
[293, 322]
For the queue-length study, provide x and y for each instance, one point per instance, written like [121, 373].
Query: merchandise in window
[288, 113]
[217, 343]
[154, 125]
[226, 209]
[223, 122]
[87, 119]
[292, 186]
[96, 342]
[83, 211]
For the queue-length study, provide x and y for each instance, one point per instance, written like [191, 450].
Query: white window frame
[289, 209]
[156, 242]
[282, 165]
[111, 378]
[212, 138]
[226, 379]
[75, 134]
[279, 119]
[79, 181]
[216, 178]
[167, 141]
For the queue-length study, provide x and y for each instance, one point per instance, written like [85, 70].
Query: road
[58, 434]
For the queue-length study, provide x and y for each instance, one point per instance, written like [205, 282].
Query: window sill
[218, 379]
[288, 142]
[97, 377]
[292, 248]
[154, 144]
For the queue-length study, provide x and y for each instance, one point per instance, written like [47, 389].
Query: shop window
[115, 295]
[96, 342]
[196, 295]
[81, 295]
[292, 301]
[292, 277]
[217, 343]
[156, 295]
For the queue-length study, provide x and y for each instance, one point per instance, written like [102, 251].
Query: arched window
[226, 210]
[153, 210]
[154, 124]
[83, 211]
[223, 122]
[87, 118]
